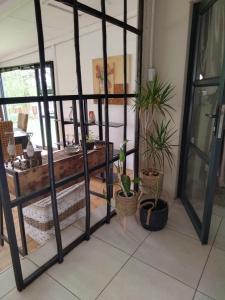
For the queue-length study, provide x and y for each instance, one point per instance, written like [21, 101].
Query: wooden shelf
[111, 124]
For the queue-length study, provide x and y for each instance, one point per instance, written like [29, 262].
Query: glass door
[205, 109]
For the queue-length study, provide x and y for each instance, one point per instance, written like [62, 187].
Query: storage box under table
[38, 217]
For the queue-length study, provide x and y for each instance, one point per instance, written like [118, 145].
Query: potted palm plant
[154, 210]
[125, 197]
[153, 105]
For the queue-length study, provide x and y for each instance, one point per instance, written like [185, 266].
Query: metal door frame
[203, 228]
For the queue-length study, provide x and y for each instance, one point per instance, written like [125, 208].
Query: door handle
[221, 121]
[211, 116]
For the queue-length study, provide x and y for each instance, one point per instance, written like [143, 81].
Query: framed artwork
[115, 77]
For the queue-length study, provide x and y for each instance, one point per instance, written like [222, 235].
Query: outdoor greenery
[22, 83]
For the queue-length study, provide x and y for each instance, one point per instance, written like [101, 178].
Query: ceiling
[18, 25]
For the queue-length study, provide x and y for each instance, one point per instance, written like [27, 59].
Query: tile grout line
[149, 265]
[115, 275]
[59, 283]
[167, 274]
[107, 243]
[120, 248]
[163, 272]
[2, 297]
[183, 234]
[207, 259]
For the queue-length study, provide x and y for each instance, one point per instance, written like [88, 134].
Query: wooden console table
[37, 178]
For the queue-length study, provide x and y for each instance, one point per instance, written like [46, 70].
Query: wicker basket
[150, 183]
[126, 206]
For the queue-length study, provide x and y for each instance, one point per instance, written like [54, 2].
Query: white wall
[170, 57]
[63, 55]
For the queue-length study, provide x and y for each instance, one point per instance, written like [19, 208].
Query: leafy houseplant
[126, 198]
[90, 141]
[153, 105]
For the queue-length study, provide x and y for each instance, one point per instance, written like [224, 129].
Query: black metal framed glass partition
[203, 131]
[80, 102]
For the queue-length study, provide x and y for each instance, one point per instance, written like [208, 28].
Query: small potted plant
[90, 141]
[126, 198]
[154, 210]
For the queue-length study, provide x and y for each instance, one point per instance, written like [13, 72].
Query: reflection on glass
[205, 105]
[132, 12]
[115, 9]
[196, 182]
[219, 198]
[19, 83]
[212, 42]
[96, 4]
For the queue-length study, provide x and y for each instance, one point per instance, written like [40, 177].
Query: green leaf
[137, 180]
[122, 156]
[126, 182]
[159, 145]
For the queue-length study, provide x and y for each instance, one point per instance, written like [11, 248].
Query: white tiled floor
[135, 265]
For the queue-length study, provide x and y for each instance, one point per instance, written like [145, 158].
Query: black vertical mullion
[38, 87]
[10, 226]
[100, 119]
[125, 84]
[82, 117]
[2, 96]
[105, 65]
[139, 82]
[1, 224]
[75, 122]
[48, 130]
[20, 216]
[62, 122]
[85, 105]
[55, 104]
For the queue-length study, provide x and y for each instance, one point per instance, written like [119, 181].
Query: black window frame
[36, 67]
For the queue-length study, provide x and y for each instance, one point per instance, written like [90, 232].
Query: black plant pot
[158, 216]
[90, 146]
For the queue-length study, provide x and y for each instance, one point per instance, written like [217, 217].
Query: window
[24, 81]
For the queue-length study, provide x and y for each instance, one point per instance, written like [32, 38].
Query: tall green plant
[153, 98]
[159, 145]
[153, 102]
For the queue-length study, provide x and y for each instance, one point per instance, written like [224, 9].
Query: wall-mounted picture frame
[115, 77]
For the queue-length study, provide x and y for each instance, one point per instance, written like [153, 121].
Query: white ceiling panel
[18, 25]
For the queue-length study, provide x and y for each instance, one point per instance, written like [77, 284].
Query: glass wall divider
[83, 99]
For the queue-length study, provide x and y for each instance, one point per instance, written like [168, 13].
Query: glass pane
[219, 199]
[212, 42]
[19, 83]
[115, 9]
[132, 12]
[205, 105]
[96, 4]
[196, 183]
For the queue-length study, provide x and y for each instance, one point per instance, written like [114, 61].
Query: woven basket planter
[150, 183]
[126, 206]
